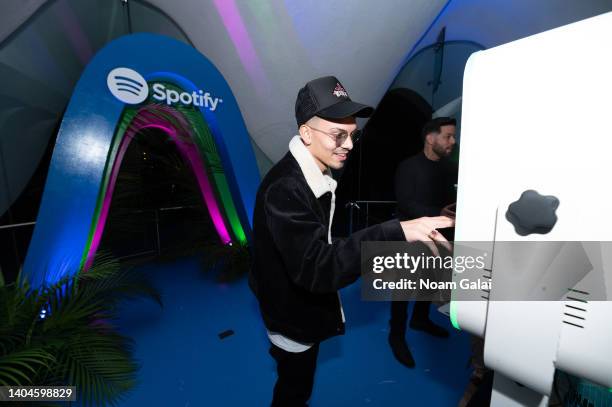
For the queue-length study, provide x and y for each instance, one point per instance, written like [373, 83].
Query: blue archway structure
[140, 81]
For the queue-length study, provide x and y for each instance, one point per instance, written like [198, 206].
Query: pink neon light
[237, 31]
[95, 242]
[190, 152]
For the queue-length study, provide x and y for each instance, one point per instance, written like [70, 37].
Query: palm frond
[19, 368]
[103, 375]
[72, 341]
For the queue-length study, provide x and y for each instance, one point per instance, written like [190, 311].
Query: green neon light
[224, 195]
[228, 205]
[203, 139]
[126, 118]
[191, 122]
[208, 149]
[453, 314]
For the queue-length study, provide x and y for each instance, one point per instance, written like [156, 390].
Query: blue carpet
[185, 363]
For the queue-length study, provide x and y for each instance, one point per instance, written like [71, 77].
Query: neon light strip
[453, 314]
[210, 140]
[230, 210]
[189, 152]
[224, 187]
[192, 154]
[106, 201]
[191, 121]
[221, 184]
[204, 142]
[115, 150]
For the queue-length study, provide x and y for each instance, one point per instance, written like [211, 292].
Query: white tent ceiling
[268, 49]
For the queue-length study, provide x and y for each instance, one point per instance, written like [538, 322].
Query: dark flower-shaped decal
[533, 213]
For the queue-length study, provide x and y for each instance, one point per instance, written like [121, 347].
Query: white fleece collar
[318, 181]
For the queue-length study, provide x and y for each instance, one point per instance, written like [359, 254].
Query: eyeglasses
[340, 136]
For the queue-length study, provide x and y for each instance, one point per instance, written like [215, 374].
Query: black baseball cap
[326, 97]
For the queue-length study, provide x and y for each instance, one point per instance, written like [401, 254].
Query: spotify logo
[130, 87]
[127, 85]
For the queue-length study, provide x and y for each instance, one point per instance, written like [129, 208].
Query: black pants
[399, 315]
[295, 376]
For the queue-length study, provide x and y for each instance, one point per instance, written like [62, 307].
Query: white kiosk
[537, 115]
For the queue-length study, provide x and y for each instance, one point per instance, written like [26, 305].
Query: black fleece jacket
[296, 273]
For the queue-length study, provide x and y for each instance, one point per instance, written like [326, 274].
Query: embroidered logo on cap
[339, 91]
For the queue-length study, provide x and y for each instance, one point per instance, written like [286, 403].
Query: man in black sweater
[424, 185]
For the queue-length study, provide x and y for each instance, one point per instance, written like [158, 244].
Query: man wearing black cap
[297, 269]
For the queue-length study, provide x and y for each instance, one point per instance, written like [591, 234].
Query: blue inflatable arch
[140, 81]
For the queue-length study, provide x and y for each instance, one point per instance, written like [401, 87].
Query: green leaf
[76, 343]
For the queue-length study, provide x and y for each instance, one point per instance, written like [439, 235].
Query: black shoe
[401, 351]
[430, 328]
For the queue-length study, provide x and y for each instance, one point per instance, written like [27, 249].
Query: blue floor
[185, 363]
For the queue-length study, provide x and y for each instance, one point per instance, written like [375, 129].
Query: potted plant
[63, 334]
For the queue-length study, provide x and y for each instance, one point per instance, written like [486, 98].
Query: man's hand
[424, 230]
